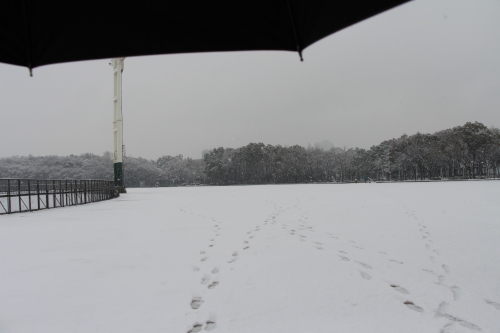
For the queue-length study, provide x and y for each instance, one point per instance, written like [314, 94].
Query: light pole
[117, 64]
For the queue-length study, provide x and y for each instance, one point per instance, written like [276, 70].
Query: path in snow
[293, 258]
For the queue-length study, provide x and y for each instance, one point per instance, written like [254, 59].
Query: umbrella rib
[28, 51]
[290, 11]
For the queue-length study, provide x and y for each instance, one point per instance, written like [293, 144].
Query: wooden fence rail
[26, 195]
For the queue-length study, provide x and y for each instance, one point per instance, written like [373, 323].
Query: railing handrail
[52, 192]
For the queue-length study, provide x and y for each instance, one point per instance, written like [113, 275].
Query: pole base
[118, 174]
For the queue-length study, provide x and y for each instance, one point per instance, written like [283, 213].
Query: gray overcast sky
[424, 66]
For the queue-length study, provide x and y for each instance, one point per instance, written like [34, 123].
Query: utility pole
[117, 64]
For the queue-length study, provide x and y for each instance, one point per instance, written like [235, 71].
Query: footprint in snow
[494, 304]
[414, 307]
[196, 302]
[232, 260]
[398, 262]
[364, 265]
[195, 268]
[210, 326]
[344, 258]
[213, 285]
[400, 289]
[441, 312]
[196, 328]
[215, 270]
[365, 275]
[446, 268]
[202, 252]
[319, 248]
[246, 247]
[235, 253]
[204, 259]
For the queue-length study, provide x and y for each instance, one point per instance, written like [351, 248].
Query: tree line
[469, 151]
[463, 152]
[166, 171]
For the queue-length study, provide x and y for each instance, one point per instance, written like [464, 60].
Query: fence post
[54, 193]
[29, 194]
[61, 194]
[38, 193]
[8, 197]
[19, 193]
[47, 206]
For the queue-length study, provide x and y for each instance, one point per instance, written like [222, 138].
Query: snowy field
[412, 257]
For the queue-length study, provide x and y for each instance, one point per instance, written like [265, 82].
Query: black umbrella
[35, 33]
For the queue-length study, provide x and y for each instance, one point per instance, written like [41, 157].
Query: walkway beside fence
[26, 195]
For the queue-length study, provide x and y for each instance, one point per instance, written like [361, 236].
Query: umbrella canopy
[36, 33]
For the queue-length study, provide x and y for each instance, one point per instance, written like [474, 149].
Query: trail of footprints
[302, 230]
[209, 280]
[212, 283]
[455, 290]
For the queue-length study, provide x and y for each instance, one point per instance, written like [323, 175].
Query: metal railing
[26, 195]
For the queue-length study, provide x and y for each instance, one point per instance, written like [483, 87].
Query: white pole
[117, 64]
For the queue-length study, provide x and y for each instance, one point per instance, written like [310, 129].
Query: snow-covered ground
[411, 257]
